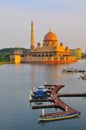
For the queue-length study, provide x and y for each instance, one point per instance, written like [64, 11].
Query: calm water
[15, 84]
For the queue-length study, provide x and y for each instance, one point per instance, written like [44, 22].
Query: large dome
[50, 36]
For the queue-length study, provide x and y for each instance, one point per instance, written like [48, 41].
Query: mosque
[50, 51]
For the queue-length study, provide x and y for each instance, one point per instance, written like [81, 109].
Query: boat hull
[58, 117]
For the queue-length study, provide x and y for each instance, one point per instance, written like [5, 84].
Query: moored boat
[59, 117]
[83, 76]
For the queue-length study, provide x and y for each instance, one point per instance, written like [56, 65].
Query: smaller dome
[66, 48]
[38, 43]
[61, 44]
[50, 36]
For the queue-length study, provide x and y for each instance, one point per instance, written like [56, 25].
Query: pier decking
[56, 101]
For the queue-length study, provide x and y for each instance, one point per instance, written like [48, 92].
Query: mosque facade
[50, 51]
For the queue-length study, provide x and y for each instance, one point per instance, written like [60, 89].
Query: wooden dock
[72, 95]
[57, 102]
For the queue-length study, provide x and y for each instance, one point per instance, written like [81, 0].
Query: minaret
[32, 35]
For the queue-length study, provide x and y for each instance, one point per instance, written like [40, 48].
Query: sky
[65, 18]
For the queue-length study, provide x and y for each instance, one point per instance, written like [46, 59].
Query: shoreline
[1, 63]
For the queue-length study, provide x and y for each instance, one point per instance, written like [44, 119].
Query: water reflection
[15, 83]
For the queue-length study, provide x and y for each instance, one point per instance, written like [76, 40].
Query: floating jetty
[54, 97]
[74, 70]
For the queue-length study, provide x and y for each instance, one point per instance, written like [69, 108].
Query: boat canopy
[41, 88]
[39, 94]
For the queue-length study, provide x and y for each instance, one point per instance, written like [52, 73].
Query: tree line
[6, 52]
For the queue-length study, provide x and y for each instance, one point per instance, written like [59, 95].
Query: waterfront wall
[48, 59]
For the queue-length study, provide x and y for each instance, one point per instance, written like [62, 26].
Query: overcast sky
[66, 18]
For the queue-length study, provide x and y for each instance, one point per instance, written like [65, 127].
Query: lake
[15, 84]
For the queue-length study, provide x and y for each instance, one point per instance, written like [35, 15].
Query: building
[50, 51]
[77, 52]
